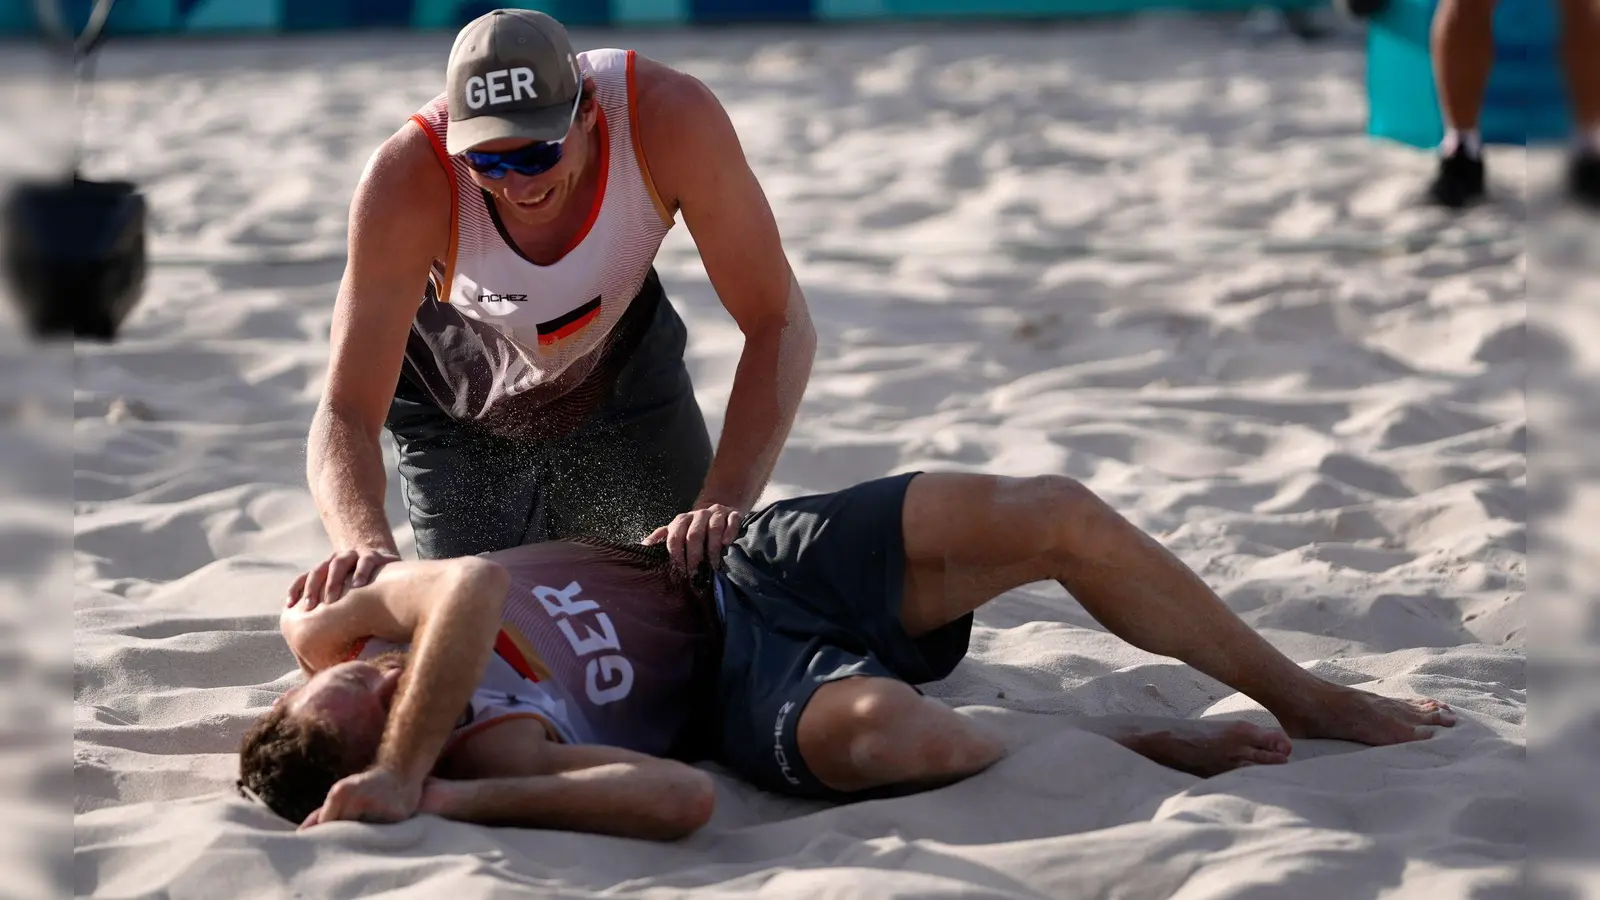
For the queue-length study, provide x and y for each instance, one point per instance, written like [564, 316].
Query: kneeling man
[568, 684]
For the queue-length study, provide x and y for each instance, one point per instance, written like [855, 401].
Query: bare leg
[1463, 55]
[1580, 45]
[863, 733]
[1580, 38]
[969, 538]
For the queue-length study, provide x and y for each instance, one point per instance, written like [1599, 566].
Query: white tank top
[517, 333]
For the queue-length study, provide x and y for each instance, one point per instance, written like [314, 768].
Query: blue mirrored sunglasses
[536, 158]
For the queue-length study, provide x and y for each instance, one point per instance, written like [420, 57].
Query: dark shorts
[812, 592]
[636, 461]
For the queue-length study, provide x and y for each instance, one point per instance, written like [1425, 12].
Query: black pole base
[74, 256]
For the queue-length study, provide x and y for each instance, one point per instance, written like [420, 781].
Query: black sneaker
[1583, 179]
[1459, 181]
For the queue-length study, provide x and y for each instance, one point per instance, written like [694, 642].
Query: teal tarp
[1527, 96]
[177, 16]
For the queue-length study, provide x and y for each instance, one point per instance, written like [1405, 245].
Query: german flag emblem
[520, 655]
[571, 323]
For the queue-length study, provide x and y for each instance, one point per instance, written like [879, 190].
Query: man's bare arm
[448, 655]
[701, 168]
[768, 384]
[449, 611]
[511, 775]
[651, 802]
[399, 223]
[392, 608]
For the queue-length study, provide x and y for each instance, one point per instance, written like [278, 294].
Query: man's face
[354, 697]
[540, 199]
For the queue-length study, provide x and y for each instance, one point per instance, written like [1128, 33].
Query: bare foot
[1347, 714]
[1209, 748]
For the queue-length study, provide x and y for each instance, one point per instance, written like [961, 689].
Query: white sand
[1101, 251]
[1564, 623]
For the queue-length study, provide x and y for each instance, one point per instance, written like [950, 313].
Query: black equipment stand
[74, 250]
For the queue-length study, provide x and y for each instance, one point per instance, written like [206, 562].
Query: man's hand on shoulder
[346, 569]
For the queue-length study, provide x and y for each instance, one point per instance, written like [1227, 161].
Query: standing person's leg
[968, 538]
[466, 492]
[1580, 48]
[643, 457]
[1463, 55]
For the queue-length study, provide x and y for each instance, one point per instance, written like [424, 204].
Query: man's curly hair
[291, 762]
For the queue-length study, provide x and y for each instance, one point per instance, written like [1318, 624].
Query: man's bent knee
[864, 733]
[1059, 512]
[880, 725]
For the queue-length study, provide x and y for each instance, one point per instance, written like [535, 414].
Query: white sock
[1468, 139]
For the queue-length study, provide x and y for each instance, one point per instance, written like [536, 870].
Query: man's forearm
[767, 388]
[344, 470]
[660, 800]
[449, 651]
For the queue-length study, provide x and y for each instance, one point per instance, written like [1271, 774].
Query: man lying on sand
[562, 685]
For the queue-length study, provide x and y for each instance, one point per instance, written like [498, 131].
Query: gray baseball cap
[512, 74]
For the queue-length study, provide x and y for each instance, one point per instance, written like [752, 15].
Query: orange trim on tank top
[638, 147]
[442, 293]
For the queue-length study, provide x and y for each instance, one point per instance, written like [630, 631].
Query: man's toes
[1259, 745]
[1274, 742]
[1271, 739]
[1435, 713]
